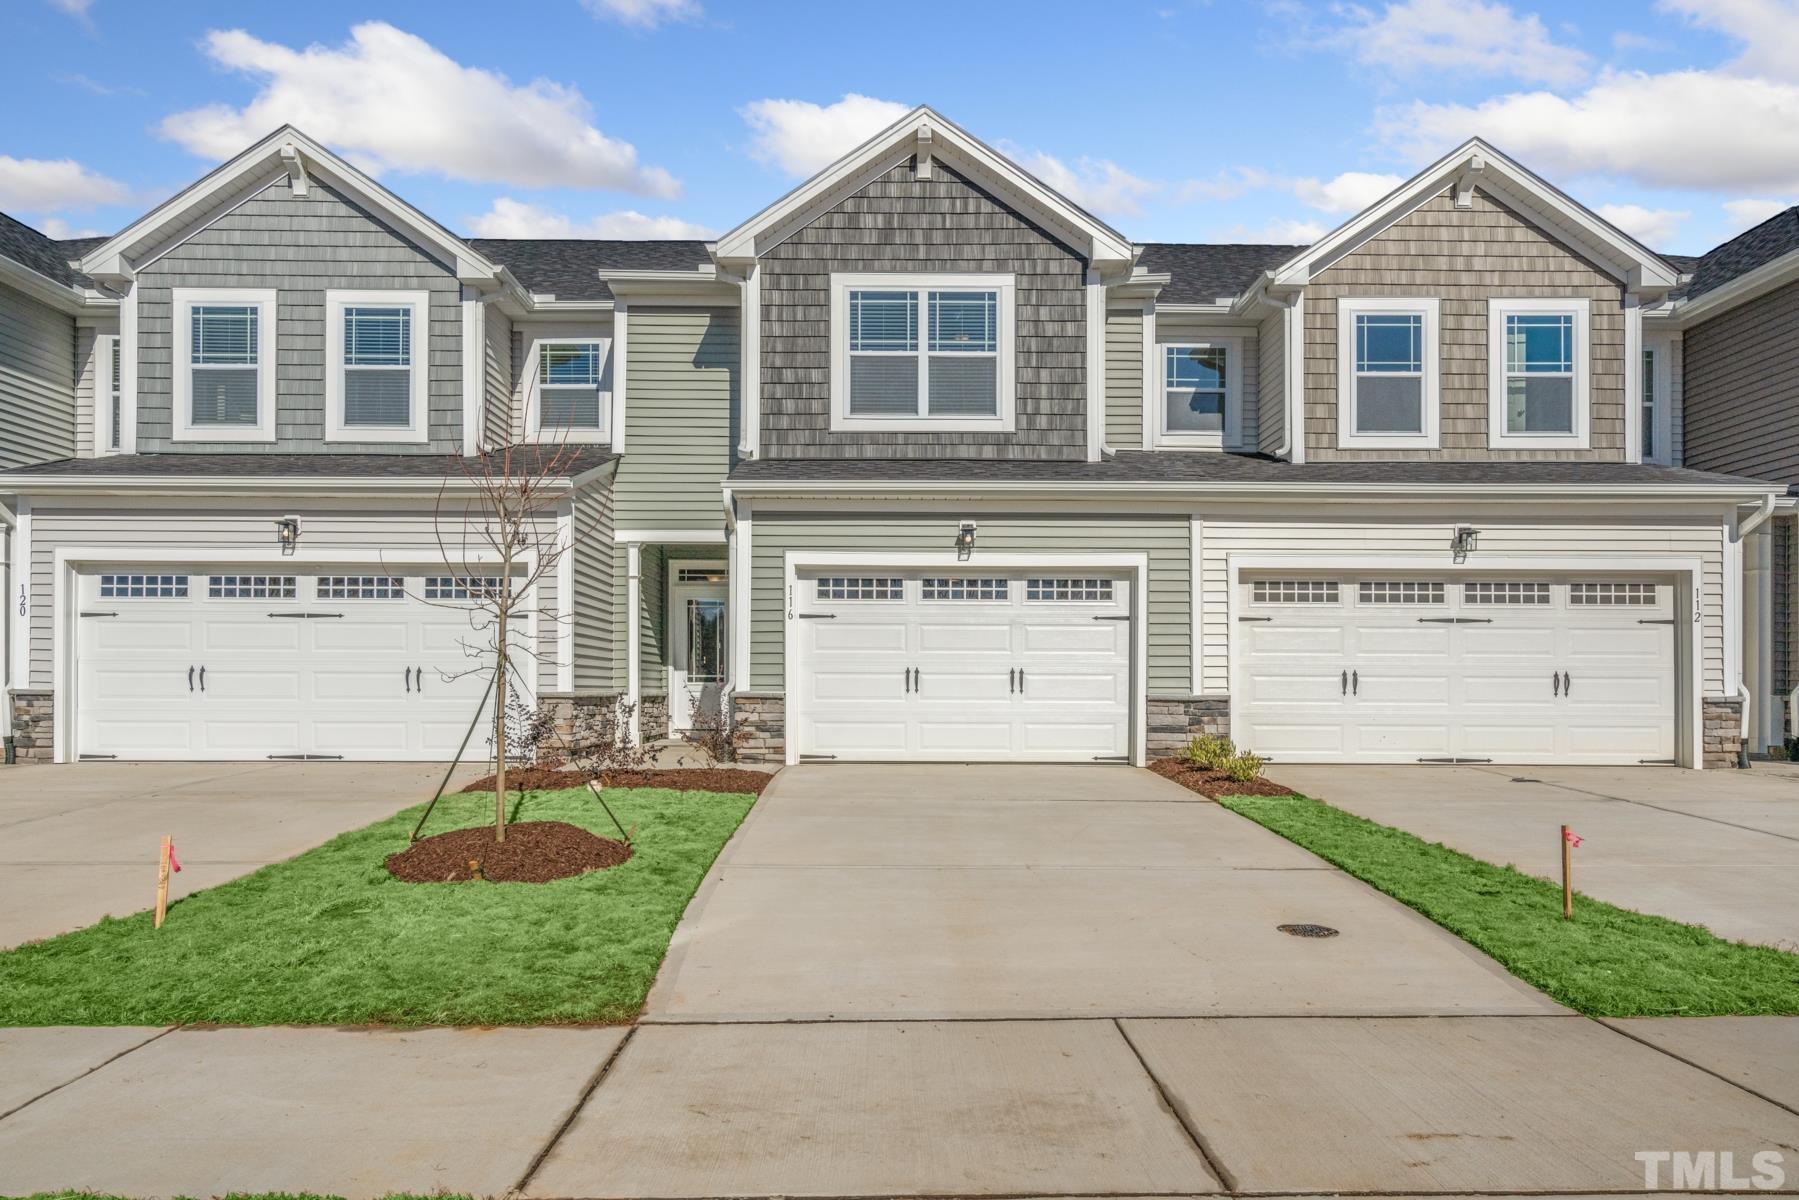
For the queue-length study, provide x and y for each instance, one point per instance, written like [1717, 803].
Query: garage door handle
[1346, 683]
[202, 678]
[1021, 681]
[1355, 683]
[421, 680]
[190, 679]
[1567, 685]
[409, 679]
[1555, 682]
[1012, 680]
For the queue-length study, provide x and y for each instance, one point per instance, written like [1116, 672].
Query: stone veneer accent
[654, 722]
[576, 715]
[1174, 722]
[32, 732]
[762, 719]
[1722, 739]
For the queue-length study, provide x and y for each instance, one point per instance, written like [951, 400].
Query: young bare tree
[497, 530]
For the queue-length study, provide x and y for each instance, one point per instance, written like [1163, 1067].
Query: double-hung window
[923, 352]
[572, 389]
[1387, 373]
[375, 369]
[1537, 372]
[224, 365]
[1200, 387]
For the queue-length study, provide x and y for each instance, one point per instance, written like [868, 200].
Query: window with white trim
[252, 587]
[1201, 388]
[1073, 591]
[1657, 386]
[1399, 591]
[1537, 372]
[922, 352]
[143, 587]
[571, 388]
[1387, 373]
[860, 587]
[1603, 594]
[965, 589]
[1294, 591]
[361, 587]
[108, 372]
[224, 365]
[1504, 591]
[376, 365]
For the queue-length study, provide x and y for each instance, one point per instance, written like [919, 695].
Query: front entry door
[698, 625]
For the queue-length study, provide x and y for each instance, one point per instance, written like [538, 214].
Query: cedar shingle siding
[300, 246]
[1742, 389]
[1465, 257]
[902, 223]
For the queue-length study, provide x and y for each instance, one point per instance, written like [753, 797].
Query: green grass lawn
[1607, 962]
[331, 938]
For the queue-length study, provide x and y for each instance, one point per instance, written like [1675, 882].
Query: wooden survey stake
[162, 879]
[1570, 839]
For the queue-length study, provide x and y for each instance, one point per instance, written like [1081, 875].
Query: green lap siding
[1124, 380]
[681, 371]
[1166, 540]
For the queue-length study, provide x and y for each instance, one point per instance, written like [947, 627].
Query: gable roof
[1473, 164]
[569, 268]
[927, 134]
[285, 152]
[1203, 274]
[1753, 248]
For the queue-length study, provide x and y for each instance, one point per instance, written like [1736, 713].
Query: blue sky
[1174, 119]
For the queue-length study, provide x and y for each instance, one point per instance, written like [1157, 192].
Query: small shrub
[1210, 752]
[1245, 767]
[711, 731]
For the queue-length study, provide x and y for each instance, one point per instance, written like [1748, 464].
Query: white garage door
[1385, 669]
[977, 666]
[220, 664]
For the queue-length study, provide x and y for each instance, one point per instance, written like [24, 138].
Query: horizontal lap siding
[680, 418]
[1742, 389]
[1167, 541]
[943, 224]
[191, 533]
[499, 369]
[1464, 257]
[595, 591]
[1124, 380]
[37, 381]
[1586, 542]
[300, 246]
[1270, 396]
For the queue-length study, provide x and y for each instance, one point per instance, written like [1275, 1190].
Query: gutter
[1748, 494]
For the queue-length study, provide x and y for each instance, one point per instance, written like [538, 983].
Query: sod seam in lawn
[1607, 962]
[330, 938]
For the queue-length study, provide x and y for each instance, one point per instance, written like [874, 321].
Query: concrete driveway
[857, 892]
[1713, 848]
[79, 842]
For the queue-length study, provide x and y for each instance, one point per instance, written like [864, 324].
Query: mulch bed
[1214, 783]
[674, 779]
[533, 852]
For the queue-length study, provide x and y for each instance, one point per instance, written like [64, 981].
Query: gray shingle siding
[902, 223]
[1741, 389]
[300, 246]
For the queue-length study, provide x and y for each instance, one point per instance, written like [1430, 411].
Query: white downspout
[1755, 604]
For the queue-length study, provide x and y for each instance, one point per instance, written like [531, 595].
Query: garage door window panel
[1505, 592]
[1294, 591]
[143, 587]
[997, 590]
[1069, 590]
[860, 587]
[252, 587]
[455, 588]
[361, 587]
[1611, 594]
[1402, 591]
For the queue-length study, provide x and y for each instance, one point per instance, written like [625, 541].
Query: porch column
[634, 637]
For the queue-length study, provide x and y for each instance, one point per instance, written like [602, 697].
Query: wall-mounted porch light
[287, 532]
[965, 541]
[1464, 542]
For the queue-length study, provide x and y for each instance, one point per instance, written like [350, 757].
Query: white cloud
[392, 101]
[1651, 226]
[59, 229]
[644, 14]
[1280, 231]
[801, 138]
[1734, 127]
[1227, 184]
[509, 218]
[43, 184]
[77, 9]
[1457, 36]
[1096, 184]
[1350, 192]
[1748, 213]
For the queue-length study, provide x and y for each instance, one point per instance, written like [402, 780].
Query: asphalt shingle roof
[574, 461]
[569, 268]
[1202, 273]
[45, 255]
[1138, 466]
[1776, 236]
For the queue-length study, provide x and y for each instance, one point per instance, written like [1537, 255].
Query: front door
[698, 628]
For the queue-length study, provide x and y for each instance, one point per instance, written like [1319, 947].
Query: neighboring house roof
[568, 268]
[1772, 239]
[1684, 263]
[1201, 273]
[1139, 466]
[50, 258]
[573, 460]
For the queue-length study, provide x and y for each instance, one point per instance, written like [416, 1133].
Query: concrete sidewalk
[79, 842]
[1713, 848]
[1093, 1107]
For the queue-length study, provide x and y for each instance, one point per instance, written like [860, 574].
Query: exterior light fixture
[965, 541]
[1464, 542]
[287, 532]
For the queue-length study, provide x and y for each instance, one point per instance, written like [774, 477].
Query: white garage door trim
[72, 561]
[1136, 566]
[1686, 572]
